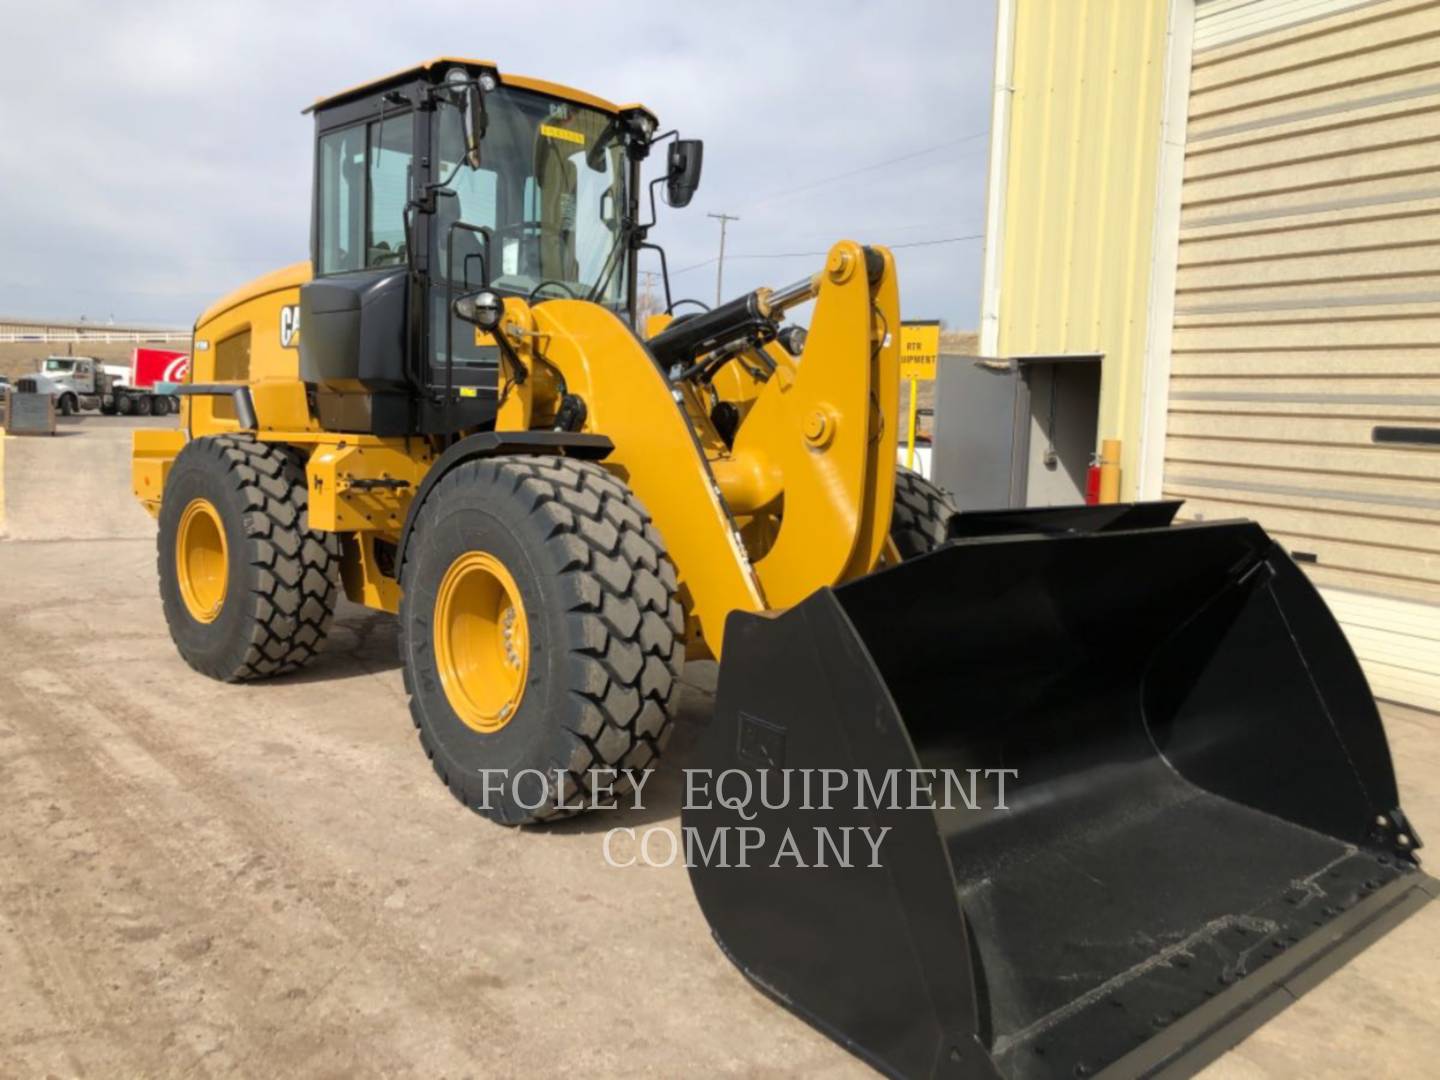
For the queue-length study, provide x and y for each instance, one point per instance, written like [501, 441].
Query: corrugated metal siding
[1088, 83]
[1308, 308]
[1219, 22]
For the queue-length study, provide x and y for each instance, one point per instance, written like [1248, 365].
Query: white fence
[108, 337]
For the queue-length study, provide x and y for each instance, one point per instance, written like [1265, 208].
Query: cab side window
[342, 199]
[392, 155]
[365, 181]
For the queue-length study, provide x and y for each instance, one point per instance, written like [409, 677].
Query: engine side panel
[252, 337]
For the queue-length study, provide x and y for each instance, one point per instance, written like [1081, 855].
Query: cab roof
[525, 82]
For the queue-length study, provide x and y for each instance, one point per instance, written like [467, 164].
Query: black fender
[491, 444]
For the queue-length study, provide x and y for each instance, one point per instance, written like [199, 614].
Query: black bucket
[1201, 821]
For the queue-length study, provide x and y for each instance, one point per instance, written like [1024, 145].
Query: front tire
[68, 406]
[248, 588]
[922, 513]
[541, 634]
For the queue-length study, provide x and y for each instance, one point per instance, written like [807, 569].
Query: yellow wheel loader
[1123, 789]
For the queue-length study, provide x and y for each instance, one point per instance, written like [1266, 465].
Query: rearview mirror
[467, 93]
[475, 124]
[483, 309]
[683, 171]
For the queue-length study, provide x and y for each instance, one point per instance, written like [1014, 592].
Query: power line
[809, 254]
[692, 266]
[866, 168]
[841, 176]
[910, 244]
[942, 240]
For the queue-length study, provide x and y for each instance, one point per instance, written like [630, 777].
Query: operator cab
[434, 184]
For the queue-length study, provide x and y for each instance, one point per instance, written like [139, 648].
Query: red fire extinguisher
[1092, 481]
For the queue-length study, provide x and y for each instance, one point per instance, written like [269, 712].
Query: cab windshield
[61, 366]
[551, 188]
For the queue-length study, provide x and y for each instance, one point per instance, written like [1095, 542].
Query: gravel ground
[208, 880]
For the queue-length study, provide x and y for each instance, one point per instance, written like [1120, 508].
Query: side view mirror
[467, 93]
[483, 309]
[475, 123]
[683, 171]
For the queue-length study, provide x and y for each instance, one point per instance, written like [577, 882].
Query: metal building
[1231, 208]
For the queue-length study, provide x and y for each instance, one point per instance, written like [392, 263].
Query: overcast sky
[153, 156]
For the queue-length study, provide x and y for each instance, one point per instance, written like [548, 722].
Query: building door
[1307, 308]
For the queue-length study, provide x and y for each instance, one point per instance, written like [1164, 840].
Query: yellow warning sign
[919, 349]
[565, 134]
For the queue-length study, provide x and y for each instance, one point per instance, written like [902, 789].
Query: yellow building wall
[1081, 165]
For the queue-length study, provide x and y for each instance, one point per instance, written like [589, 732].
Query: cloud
[155, 156]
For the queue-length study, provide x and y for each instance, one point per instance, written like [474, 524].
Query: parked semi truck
[84, 383]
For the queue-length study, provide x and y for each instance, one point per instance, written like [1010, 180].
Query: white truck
[82, 382]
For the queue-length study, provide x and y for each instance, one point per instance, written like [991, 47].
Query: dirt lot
[74, 485]
[199, 879]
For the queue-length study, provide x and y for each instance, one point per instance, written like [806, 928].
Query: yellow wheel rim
[482, 641]
[202, 560]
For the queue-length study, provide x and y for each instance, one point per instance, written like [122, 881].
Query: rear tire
[922, 512]
[142, 406]
[600, 624]
[124, 406]
[282, 578]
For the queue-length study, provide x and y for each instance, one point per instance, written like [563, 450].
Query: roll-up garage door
[1305, 386]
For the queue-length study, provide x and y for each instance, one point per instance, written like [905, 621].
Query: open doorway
[1064, 415]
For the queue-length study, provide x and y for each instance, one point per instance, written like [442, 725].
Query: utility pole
[647, 305]
[724, 220]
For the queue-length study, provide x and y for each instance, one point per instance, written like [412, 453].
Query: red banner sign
[158, 365]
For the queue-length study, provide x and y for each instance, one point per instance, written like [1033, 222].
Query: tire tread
[622, 603]
[922, 512]
[297, 568]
